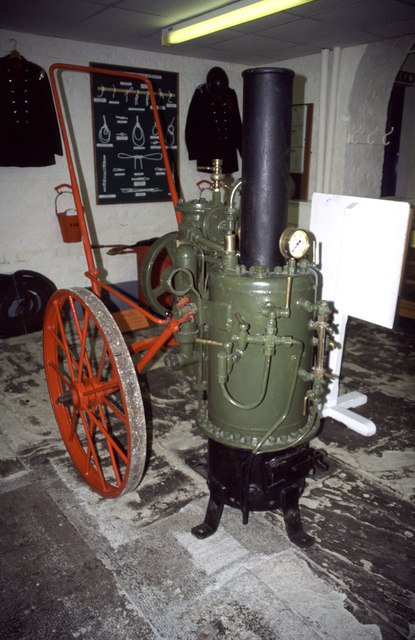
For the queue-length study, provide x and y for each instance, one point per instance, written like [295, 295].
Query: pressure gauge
[294, 243]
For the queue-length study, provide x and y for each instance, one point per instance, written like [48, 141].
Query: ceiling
[137, 24]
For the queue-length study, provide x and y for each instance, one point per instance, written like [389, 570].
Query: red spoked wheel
[94, 392]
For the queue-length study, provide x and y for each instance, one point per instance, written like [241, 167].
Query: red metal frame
[172, 325]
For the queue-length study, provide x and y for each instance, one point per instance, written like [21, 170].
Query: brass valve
[217, 175]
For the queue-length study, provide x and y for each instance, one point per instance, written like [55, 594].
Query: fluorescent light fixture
[224, 18]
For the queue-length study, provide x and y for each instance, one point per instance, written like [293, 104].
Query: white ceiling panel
[137, 24]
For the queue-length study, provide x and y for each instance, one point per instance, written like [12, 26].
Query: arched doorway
[398, 178]
[367, 111]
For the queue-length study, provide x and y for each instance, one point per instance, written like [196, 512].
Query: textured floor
[74, 565]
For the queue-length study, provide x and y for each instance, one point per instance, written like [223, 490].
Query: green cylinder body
[207, 216]
[186, 257]
[240, 298]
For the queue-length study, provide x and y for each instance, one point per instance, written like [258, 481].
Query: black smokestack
[266, 133]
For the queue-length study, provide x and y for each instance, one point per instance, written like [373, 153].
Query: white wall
[307, 89]
[30, 237]
[367, 109]
[362, 88]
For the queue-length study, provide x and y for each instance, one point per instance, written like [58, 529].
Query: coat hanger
[14, 54]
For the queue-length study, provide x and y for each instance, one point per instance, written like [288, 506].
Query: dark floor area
[74, 565]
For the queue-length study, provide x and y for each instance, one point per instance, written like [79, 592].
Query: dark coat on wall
[214, 129]
[29, 131]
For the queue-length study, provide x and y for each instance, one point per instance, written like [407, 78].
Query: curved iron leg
[292, 517]
[211, 521]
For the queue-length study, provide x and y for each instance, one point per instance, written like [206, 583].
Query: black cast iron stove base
[263, 482]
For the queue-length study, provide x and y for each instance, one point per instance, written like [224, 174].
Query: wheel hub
[86, 394]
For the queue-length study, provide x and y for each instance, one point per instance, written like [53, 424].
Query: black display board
[129, 165]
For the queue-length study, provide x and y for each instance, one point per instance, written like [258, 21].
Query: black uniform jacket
[29, 131]
[214, 129]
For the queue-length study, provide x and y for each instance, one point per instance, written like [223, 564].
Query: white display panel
[360, 253]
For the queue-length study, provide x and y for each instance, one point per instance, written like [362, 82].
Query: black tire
[23, 299]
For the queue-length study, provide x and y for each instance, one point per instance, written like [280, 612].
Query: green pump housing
[256, 344]
[256, 381]
[253, 346]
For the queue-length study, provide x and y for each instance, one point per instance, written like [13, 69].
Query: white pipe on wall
[321, 145]
[331, 120]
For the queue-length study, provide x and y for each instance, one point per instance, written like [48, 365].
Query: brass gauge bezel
[294, 243]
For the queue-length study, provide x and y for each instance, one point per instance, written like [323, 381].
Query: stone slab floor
[74, 565]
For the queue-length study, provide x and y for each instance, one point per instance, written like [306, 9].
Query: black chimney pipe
[266, 134]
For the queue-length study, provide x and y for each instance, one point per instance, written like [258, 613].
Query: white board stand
[361, 247]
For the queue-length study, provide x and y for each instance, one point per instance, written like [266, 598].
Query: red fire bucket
[68, 218]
